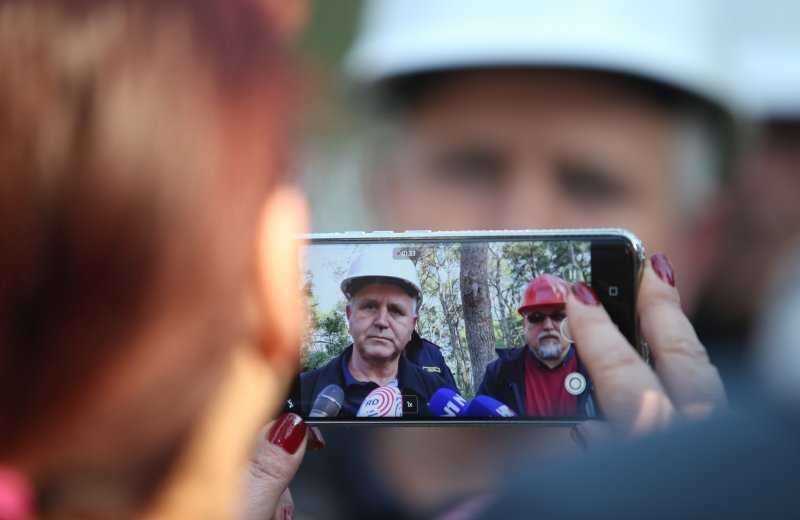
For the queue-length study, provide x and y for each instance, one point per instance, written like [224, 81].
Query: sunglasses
[538, 317]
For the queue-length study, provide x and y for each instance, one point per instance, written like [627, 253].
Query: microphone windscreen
[328, 402]
[384, 401]
[485, 406]
[447, 403]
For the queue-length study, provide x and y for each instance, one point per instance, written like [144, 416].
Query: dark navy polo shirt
[356, 391]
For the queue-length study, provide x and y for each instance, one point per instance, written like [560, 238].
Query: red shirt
[545, 395]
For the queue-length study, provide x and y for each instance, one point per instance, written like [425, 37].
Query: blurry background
[329, 159]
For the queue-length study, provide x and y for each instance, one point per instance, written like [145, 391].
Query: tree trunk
[502, 312]
[477, 307]
[451, 319]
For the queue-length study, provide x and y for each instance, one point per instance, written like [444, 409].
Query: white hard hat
[679, 43]
[767, 45]
[382, 262]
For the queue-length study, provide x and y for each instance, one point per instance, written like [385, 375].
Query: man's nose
[549, 324]
[530, 200]
[382, 318]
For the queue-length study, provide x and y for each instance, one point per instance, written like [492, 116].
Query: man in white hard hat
[383, 297]
[537, 114]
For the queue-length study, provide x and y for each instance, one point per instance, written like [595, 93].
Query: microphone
[328, 402]
[384, 401]
[485, 406]
[447, 403]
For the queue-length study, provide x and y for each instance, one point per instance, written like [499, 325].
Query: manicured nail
[578, 437]
[288, 432]
[315, 439]
[663, 268]
[585, 294]
[288, 513]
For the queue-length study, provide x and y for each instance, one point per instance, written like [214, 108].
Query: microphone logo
[505, 411]
[447, 403]
[384, 401]
[455, 406]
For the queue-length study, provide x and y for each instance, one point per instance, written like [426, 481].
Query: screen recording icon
[400, 253]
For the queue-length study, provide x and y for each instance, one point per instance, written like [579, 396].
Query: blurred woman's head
[143, 147]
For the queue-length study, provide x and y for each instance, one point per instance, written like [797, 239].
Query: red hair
[131, 173]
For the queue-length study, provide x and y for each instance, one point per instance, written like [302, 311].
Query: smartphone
[455, 328]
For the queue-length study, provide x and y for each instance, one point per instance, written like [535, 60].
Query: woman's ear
[258, 374]
[289, 17]
[283, 216]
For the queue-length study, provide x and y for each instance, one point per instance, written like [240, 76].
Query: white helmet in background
[767, 45]
[382, 262]
[678, 43]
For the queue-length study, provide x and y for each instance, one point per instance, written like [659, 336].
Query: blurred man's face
[520, 149]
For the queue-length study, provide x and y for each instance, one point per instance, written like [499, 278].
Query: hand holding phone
[637, 399]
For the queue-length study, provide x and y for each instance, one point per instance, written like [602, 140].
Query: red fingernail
[585, 294]
[288, 432]
[315, 439]
[288, 513]
[580, 439]
[663, 268]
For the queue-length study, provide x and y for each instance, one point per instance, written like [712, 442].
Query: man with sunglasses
[544, 378]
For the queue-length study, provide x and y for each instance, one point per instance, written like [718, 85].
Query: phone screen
[471, 329]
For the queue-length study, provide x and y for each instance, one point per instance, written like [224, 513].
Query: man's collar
[349, 378]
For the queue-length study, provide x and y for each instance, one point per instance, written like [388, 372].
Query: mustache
[548, 334]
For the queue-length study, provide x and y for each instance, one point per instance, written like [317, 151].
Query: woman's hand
[276, 459]
[635, 398]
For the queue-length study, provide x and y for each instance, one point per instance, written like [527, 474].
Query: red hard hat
[544, 290]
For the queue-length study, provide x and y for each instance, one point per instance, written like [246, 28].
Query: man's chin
[550, 352]
[380, 350]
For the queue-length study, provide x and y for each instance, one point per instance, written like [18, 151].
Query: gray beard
[549, 349]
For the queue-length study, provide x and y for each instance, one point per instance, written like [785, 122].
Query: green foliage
[316, 359]
[327, 331]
